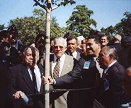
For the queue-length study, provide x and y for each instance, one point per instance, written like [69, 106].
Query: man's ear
[99, 45]
[23, 53]
[65, 48]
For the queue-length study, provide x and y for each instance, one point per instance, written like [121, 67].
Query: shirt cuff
[25, 98]
[54, 81]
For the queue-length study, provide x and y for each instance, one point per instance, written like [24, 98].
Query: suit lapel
[66, 66]
[51, 63]
[109, 72]
[27, 78]
[78, 56]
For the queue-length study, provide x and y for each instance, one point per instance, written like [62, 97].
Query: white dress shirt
[74, 54]
[98, 67]
[37, 75]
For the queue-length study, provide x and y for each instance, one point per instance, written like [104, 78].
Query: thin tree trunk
[47, 54]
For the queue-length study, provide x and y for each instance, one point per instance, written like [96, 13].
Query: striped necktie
[56, 69]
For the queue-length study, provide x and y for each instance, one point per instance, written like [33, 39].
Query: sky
[106, 12]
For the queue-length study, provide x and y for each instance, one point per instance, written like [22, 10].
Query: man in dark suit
[112, 79]
[26, 80]
[85, 73]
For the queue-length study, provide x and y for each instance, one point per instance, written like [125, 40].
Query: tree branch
[58, 5]
[43, 6]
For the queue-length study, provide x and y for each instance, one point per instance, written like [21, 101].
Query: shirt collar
[74, 54]
[94, 58]
[110, 66]
[35, 67]
[62, 57]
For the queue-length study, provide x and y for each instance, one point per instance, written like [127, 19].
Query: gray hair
[60, 39]
[34, 49]
[128, 69]
[111, 51]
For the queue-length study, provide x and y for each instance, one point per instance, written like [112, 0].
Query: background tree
[118, 29]
[2, 27]
[108, 31]
[80, 22]
[47, 5]
[29, 27]
[126, 24]
[123, 28]
[56, 30]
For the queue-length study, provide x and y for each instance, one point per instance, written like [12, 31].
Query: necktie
[106, 82]
[56, 69]
[71, 54]
[34, 79]
[92, 62]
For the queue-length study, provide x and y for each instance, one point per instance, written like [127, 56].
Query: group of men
[106, 87]
[97, 74]
[11, 47]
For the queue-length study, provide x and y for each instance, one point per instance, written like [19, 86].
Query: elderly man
[113, 78]
[61, 64]
[26, 80]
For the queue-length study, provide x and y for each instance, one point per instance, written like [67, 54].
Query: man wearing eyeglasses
[61, 64]
[85, 73]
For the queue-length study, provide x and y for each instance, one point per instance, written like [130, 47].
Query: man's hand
[22, 95]
[17, 95]
[48, 80]
[51, 80]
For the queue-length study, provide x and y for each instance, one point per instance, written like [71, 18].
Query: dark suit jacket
[87, 76]
[20, 80]
[113, 97]
[4, 86]
[82, 78]
[78, 56]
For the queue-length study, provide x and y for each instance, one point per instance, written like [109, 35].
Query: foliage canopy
[123, 28]
[29, 27]
[81, 21]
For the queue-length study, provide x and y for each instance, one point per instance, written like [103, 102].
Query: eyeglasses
[60, 47]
